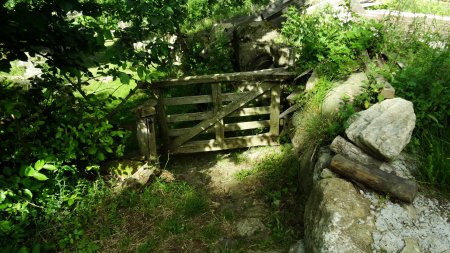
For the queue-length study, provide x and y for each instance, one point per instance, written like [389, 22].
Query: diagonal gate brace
[226, 110]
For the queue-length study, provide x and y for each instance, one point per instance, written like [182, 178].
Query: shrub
[327, 42]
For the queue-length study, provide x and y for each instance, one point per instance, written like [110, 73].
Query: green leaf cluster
[328, 42]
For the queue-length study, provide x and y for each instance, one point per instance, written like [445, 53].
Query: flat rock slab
[384, 129]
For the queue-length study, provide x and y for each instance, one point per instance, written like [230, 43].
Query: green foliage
[434, 147]
[279, 174]
[417, 6]
[424, 80]
[328, 42]
[52, 132]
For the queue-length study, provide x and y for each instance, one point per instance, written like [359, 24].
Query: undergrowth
[164, 216]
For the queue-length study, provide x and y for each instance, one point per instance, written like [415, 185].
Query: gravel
[401, 227]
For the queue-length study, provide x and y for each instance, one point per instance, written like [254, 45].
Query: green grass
[441, 8]
[434, 150]
[162, 216]
[278, 174]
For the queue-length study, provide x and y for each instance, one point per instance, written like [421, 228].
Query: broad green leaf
[28, 193]
[50, 167]
[2, 196]
[39, 176]
[39, 164]
[93, 167]
[108, 149]
[140, 72]
[29, 171]
[124, 78]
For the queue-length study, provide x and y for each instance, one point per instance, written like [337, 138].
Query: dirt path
[240, 198]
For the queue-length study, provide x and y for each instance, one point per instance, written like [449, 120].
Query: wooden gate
[219, 119]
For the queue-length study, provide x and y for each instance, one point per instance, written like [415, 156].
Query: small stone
[249, 227]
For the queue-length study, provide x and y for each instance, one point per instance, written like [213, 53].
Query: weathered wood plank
[216, 90]
[379, 180]
[275, 110]
[188, 116]
[188, 100]
[162, 121]
[229, 143]
[246, 125]
[226, 110]
[249, 111]
[226, 97]
[273, 75]
[227, 127]
[289, 110]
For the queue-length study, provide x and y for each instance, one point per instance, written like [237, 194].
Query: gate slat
[229, 143]
[227, 127]
[226, 110]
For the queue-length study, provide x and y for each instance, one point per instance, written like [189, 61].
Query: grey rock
[384, 129]
[312, 81]
[327, 173]
[400, 167]
[348, 89]
[256, 47]
[337, 219]
[249, 226]
[323, 161]
[299, 247]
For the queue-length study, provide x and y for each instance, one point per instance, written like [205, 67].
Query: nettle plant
[329, 42]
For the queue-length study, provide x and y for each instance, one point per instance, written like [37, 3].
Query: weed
[194, 204]
[211, 232]
[146, 247]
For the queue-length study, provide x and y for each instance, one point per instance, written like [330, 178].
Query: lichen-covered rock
[337, 219]
[349, 89]
[384, 129]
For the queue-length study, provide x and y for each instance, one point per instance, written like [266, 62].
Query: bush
[327, 42]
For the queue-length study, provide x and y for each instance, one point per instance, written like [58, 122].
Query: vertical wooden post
[162, 122]
[216, 89]
[146, 130]
[275, 94]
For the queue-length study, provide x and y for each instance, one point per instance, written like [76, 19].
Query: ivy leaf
[39, 165]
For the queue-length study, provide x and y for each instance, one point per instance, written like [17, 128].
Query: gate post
[146, 131]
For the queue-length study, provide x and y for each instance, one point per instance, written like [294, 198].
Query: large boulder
[384, 129]
[337, 219]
